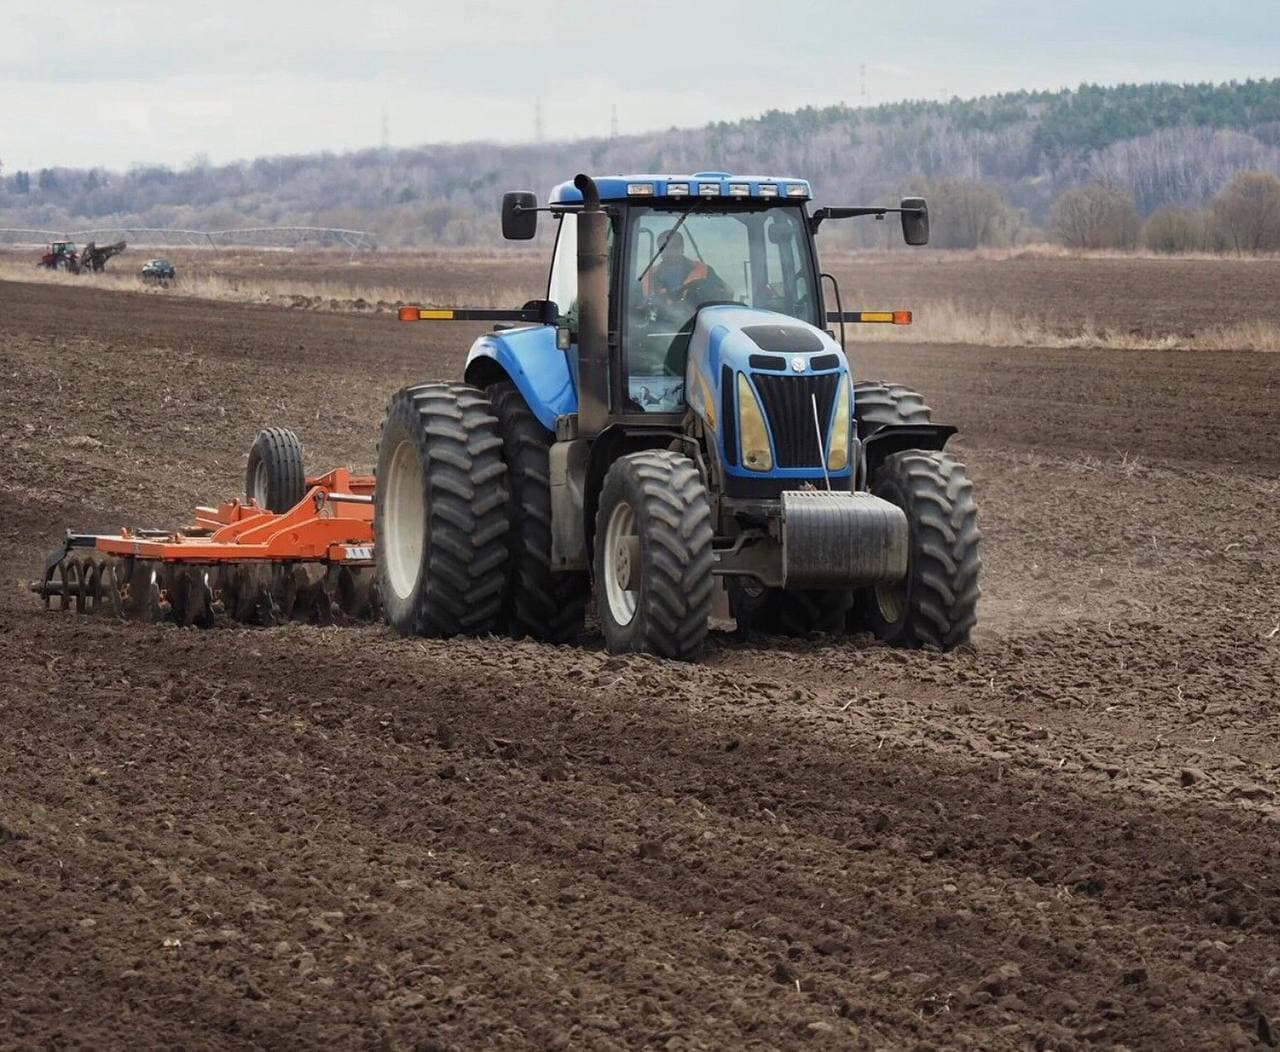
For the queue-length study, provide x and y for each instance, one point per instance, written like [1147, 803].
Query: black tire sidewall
[280, 451]
[888, 486]
[540, 601]
[673, 600]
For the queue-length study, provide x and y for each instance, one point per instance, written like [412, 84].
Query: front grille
[788, 403]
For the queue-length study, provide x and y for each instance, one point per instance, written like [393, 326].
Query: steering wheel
[698, 292]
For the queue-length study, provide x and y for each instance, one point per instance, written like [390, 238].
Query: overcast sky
[113, 84]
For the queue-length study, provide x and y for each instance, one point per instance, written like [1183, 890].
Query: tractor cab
[682, 252]
[61, 255]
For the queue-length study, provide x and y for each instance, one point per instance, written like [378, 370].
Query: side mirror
[915, 221]
[519, 220]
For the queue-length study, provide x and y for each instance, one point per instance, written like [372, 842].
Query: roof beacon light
[797, 190]
[768, 190]
[677, 189]
[708, 189]
[639, 189]
[739, 190]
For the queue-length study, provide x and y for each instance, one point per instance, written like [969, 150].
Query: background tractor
[61, 255]
[674, 410]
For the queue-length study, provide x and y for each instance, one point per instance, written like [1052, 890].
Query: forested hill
[1160, 144]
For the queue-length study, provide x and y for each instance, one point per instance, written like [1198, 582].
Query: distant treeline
[997, 168]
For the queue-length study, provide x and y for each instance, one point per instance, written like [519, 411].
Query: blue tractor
[676, 409]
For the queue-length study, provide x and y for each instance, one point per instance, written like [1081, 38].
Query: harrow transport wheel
[653, 556]
[936, 603]
[274, 476]
[539, 602]
[876, 404]
[788, 612]
[440, 512]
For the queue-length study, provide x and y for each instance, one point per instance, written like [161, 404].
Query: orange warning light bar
[871, 317]
[532, 314]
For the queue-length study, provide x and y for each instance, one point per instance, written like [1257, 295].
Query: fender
[528, 357]
[894, 438]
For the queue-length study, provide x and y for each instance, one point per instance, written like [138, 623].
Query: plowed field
[1063, 837]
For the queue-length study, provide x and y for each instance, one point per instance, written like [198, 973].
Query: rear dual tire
[463, 530]
[878, 404]
[538, 603]
[440, 512]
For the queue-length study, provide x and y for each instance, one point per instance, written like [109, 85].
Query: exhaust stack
[593, 310]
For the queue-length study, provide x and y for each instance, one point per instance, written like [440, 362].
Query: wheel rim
[617, 568]
[891, 596]
[260, 483]
[403, 527]
[891, 599]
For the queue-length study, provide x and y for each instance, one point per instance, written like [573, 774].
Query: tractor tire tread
[539, 603]
[280, 450]
[879, 403]
[675, 608]
[456, 434]
[946, 561]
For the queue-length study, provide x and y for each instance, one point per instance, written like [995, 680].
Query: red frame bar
[315, 528]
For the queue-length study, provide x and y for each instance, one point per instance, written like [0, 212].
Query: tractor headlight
[838, 453]
[755, 433]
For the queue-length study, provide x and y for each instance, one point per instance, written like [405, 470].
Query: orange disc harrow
[313, 562]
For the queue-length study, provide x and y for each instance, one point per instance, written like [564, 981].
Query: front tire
[653, 556]
[936, 603]
[440, 512]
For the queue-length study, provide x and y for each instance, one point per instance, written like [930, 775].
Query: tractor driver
[674, 275]
[674, 287]
[675, 270]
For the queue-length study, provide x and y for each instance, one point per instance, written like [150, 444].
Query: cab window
[562, 288]
[680, 260]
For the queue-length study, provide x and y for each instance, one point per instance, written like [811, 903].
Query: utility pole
[613, 122]
[537, 121]
[862, 73]
[386, 129]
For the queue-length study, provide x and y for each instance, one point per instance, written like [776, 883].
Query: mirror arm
[842, 212]
[561, 209]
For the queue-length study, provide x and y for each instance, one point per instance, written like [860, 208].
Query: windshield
[680, 259]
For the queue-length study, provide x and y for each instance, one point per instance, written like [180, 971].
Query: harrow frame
[312, 562]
